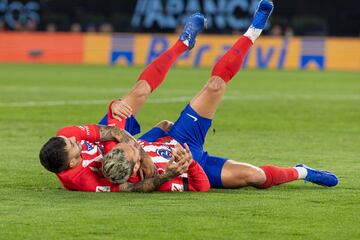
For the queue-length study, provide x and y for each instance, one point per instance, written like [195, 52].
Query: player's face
[73, 148]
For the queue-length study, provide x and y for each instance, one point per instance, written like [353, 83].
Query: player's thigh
[213, 166]
[235, 174]
[206, 102]
[190, 128]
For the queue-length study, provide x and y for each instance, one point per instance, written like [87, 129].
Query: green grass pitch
[267, 117]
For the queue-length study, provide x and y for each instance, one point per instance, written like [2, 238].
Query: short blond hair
[116, 167]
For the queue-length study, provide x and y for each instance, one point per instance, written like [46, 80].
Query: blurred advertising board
[141, 49]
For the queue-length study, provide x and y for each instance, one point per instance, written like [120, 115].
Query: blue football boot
[195, 24]
[262, 14]
[320, 177]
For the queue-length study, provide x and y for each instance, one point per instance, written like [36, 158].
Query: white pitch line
[53, 103]
[84, 102]
[42, 89]
[247, 97]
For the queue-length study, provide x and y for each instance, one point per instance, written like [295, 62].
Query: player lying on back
[75, 154]
[196, 118]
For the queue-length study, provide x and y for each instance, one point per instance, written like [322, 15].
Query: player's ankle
[253, 33]
[302, 172]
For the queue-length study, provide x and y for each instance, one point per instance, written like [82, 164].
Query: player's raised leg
[203, 107]
[154, 74]
[234, 174]
[207, 100]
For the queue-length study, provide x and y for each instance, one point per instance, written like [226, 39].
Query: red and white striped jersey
[88, 175]
[193, 180]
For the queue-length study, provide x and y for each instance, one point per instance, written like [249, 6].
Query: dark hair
[53, 155]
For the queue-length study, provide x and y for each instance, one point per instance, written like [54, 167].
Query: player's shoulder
[74, 130]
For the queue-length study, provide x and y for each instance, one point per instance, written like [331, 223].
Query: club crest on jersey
[89, 147]
[164, 152]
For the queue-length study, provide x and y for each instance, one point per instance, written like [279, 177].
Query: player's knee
[142, 89]
[165, 125]
[255, 177]
[215, 85]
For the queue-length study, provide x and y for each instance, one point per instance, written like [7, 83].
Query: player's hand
[180, 152]
[180, 161]
[120, 110]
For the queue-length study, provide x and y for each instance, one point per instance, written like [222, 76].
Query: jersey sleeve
[88, 181]
[198, 181]
[88, 132]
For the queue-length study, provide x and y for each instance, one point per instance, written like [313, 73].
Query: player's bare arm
[172, 170]
[148, 185]
[108, 133]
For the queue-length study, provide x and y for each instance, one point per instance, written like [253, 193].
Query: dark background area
[303, 17]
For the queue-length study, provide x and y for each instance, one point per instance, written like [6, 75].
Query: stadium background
[61, 62]
[299, 38]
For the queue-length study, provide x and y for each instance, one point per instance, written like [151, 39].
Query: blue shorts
[191, 128]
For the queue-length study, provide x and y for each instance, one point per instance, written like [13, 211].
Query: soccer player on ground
[195, 120]
[162, 154]
[123, 172]
[76, 153]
